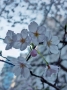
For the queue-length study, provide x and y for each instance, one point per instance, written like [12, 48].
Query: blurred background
[16, 15]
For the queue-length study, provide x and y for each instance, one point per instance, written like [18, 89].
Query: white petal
[41, 38]
[14, 61]
[41, 30]
[21, 59]
[48, 35]
[48, 72]
[54, 67]
[17, 45]
[7, 40]
[33, 26]
[10, 33]
[55, 40]
[8, 47]
[23, 46]
[28, 40]
[19, 36]
[31, 34]
[14, 37]
[26, 72]
[16, 70]
[35, 41]
[54, 49]
[24, 33]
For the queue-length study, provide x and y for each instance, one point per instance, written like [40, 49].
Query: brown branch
[7, 62]
[44, 81]
[59, 64]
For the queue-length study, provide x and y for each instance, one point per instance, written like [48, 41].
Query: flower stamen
[49, 43]
[36, 34]
[22, 65]
[22, 40]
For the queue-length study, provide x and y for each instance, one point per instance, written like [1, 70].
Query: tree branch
[44, 81]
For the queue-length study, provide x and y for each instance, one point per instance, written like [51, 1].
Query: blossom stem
[43, 58]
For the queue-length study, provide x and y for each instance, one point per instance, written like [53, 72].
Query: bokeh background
[16, 15]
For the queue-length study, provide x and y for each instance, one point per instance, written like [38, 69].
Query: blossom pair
[19, 40]
[24, 38]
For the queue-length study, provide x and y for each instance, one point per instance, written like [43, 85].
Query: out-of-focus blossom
[10, 39]
[25, 85]
[52, 70]
[64, 53]
[22, 40]
[37, 33]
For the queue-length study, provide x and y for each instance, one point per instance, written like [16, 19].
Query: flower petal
[31, 34]
[23, 46]
[54, 49]
[53, 69]
[19, 36]
[48, 34]
[10, 33]
[41, 38]
[55, 40]
[17, 44]
[35, 41]
[24, 33]
[7, 40]
[41, 30]
[33, 26]
[26, 72]
[28, 40]
[8, 47]
[16, 70]
[21, 60]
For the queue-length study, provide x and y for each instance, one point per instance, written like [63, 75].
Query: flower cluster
[33, 37]
[36, 35]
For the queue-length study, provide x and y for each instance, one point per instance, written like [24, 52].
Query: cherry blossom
[22, 40]
[32, 38]
[21, 67]
[53, 69]
[52, 42]
[37, 33]
[10, 39]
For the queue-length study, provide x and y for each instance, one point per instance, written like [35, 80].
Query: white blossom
[52, 42]
[52, 70]
[37, 33]
[21, 67]
[10, 39]
[22, 40]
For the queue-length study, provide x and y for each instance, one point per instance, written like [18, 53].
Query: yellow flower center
[36, 34]
[22, 40]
